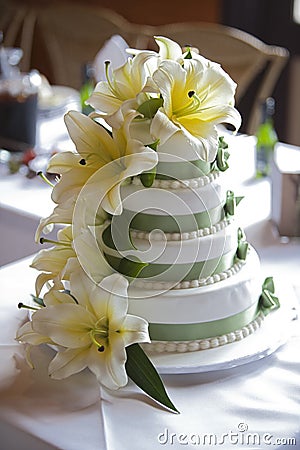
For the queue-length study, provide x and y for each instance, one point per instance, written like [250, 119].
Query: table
[258, 402]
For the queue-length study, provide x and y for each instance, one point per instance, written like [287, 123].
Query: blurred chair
[73, 34]
[58, 38]
[243, 56]
[18, 23]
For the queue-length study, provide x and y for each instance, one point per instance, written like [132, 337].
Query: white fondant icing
[187, 251]
[206, 248]
[195, 305]
[185, 201]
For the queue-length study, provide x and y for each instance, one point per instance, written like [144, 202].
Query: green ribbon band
[182, 170]
[192, 331]
[175, 224]
[173, 272]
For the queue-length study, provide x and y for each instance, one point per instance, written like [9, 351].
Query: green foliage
[149, 107]
[142, 372]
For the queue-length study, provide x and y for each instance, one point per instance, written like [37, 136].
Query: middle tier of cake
[176, 235]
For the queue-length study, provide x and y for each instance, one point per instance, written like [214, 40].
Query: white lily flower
[108, 180]
[70, 254]
[89, 259]
[168, 49]
[125, 83]
[93, 332]
[196, 98]
[62, 214]
[52, 261]
[125, 157]
[56, 297]
[27, 335]
[96, 148]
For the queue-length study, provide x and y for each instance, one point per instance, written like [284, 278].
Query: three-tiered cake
[199, 285]
[149, 251]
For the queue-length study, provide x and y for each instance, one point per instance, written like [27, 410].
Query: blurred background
[61, 38]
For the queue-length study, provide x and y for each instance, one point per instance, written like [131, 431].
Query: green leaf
[188, 54]
[153, 145]
[37, 300]
[149, 107]
[131, 268]
[142, 372]
[147, 178]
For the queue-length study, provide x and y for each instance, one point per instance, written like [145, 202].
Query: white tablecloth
[252, 406]
[258, 402]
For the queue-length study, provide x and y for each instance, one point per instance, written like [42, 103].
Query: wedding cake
[199, 284]
[149, 251]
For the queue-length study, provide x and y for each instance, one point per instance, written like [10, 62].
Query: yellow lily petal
[27, 335]
[63, 162]
[92, 141]
[168, 49]
[196, 97]
[125, 83]
[68, 362]
[66, 324]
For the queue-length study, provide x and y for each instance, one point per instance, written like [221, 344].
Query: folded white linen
[114, 50]
[258, 403]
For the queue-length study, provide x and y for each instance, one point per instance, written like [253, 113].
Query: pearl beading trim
[157, 236]
[162, 285]
[192, 183]
[205, 344]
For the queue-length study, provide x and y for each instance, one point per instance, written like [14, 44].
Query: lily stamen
[44, 178]
[98, 337]
[51, 241]
[99, 334]
[22, 305]
[192, 107]
[114, 91]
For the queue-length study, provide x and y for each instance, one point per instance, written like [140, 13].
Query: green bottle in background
[88, 84]
[266, 139]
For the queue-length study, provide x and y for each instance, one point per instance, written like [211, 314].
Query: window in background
[296, 11]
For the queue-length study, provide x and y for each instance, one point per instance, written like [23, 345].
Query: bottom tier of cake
[223, 310]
